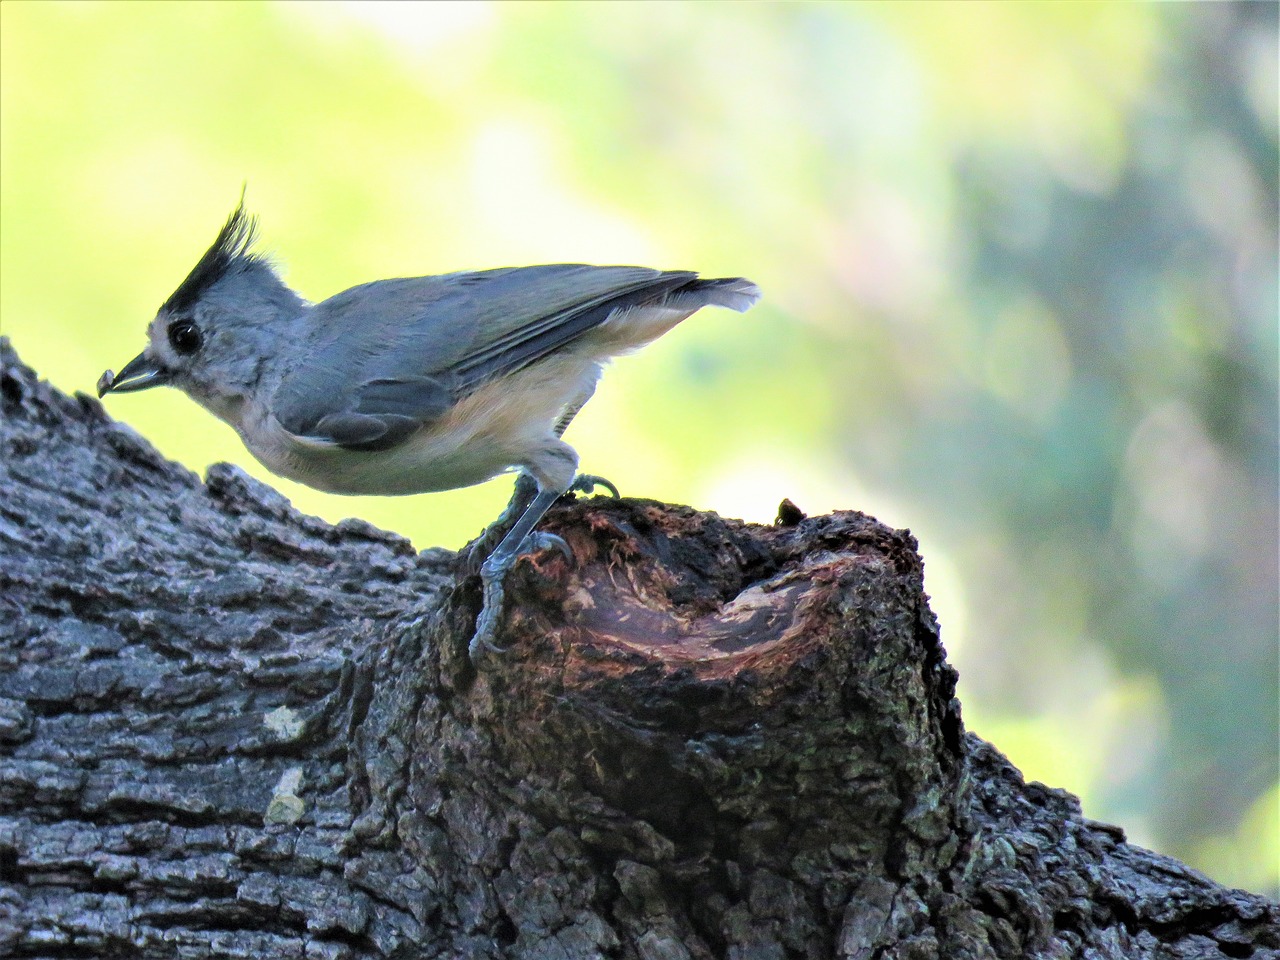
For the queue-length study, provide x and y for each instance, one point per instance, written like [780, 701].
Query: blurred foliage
[1020, 270]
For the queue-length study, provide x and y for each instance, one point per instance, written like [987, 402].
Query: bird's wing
[385, 358]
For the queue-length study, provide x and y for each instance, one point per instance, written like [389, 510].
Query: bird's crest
[229, 250]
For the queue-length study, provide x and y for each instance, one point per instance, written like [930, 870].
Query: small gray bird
[412, 385]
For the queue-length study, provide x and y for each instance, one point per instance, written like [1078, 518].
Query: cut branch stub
[760, 671]
[692, 692]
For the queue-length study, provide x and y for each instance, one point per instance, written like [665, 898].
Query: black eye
[185, 336]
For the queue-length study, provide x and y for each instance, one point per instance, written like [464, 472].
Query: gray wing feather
[540, 336]
[358, 431]
[386, 411]
[385, 358]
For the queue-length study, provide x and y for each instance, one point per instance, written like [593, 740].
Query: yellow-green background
[1020, 276]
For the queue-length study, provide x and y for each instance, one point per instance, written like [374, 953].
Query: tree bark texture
[229, 730]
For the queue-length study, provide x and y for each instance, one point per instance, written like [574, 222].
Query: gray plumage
[410, 385]
[421, 345]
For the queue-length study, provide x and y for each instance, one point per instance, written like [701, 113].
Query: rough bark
[229, 730]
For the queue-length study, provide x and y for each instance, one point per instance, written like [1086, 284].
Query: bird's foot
[541, 540]
[493, 573]
[587, 483]
[490, 607]
[525, 489]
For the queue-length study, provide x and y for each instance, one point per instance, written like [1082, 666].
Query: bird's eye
[185, 336]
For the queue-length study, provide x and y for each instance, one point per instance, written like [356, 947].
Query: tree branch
[230, 730]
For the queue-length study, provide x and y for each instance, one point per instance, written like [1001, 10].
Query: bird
[413, 385]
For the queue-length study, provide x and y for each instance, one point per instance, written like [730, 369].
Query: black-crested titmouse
[412, 385]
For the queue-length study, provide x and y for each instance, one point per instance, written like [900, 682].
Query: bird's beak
[138, 374]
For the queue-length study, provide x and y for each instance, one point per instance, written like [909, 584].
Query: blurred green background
[1021, 297]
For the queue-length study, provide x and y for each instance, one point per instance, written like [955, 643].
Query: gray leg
[494, 570]
[526, 489]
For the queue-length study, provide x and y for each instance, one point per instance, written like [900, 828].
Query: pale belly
[501, 427]
[424, 463]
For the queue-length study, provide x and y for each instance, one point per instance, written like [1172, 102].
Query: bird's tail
[736, 293]
[630, 326]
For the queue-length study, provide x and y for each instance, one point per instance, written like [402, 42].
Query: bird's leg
[522, 494]
[526, 489]
[494, 570]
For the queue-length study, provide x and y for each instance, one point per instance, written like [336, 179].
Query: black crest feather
[229, 251]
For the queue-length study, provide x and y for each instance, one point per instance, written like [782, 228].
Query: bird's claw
[492, 574]
[586, 483]
[541, 540]
[482, 642]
